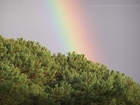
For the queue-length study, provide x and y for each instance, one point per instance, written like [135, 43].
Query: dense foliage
[31, 75]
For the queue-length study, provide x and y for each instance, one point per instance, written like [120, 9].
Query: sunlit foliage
[31, 75]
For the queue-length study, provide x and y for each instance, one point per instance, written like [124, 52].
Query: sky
[105, 31]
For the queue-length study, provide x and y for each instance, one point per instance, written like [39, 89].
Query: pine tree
[31, 75]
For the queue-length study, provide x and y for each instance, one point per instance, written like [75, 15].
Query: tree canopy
[31, 75]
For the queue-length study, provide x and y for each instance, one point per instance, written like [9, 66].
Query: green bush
[31, 75]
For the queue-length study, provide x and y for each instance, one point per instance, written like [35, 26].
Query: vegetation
[31, 75]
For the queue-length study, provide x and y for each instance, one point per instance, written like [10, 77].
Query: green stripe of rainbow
[71, 26]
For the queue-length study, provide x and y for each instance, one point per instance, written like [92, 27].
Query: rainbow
[67, 23]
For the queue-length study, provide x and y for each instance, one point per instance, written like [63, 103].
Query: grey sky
[116, 26]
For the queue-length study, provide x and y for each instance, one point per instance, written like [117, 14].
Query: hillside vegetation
[31, 75]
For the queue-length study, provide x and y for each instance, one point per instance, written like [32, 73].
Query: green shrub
[31, 75]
